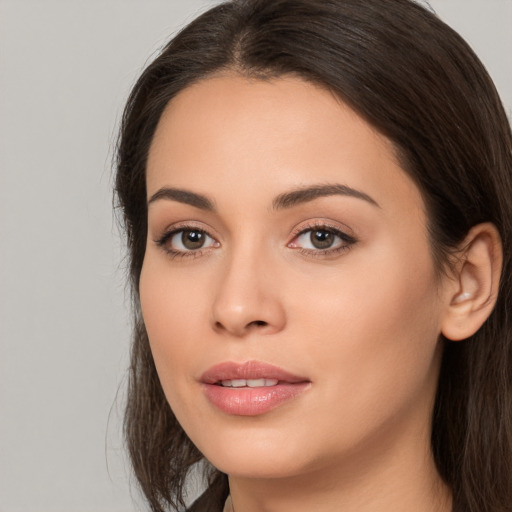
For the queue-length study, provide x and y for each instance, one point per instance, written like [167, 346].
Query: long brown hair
[417, 82]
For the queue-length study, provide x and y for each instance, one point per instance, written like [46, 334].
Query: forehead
[228, 130]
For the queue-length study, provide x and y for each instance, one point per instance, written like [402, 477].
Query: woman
[316, 197]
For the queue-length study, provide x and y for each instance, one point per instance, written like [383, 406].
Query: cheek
[374, 330]
[171, 313]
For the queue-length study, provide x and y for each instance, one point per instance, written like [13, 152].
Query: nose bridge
[247, 295]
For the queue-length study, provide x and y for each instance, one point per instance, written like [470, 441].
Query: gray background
[65, 70]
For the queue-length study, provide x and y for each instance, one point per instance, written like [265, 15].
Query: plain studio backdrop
[65, 71]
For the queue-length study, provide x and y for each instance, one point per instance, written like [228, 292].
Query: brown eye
[322, 239]
[193, 239]
[187, 241]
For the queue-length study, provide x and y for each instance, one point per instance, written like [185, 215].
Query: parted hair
[419, 84]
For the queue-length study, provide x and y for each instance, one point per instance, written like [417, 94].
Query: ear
[477, 277]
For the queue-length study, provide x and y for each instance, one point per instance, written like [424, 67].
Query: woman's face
[288, 288]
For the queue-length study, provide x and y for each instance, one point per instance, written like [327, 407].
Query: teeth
[250, 383]
[256, 383]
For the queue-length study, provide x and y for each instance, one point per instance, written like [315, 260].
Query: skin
[362, 324]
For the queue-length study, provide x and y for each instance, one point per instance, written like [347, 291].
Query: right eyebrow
[183, 196]
[307, 194]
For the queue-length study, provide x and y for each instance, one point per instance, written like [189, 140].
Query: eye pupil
[322, 239]
[192, 239]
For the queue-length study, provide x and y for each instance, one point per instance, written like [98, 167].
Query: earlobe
[478, 271]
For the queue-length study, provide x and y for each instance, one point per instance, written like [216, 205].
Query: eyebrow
[183, 196]
[304, 195]
[282, 201]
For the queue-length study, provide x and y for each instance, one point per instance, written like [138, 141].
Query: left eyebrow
[304, 195]
[183, 196]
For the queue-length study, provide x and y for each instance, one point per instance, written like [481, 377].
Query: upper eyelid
[344, 237]
[325, 224]
[176, 227]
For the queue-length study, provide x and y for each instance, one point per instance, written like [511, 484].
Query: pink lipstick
[250, 388]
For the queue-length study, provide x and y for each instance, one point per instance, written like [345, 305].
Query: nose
[248, 297]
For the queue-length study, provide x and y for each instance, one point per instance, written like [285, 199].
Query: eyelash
[347, 240]
[163, 242]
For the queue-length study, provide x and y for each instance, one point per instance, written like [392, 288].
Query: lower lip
[252, 401]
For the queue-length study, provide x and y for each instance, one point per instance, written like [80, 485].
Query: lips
[251, 388]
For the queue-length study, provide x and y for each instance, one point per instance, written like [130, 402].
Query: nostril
[254, 324]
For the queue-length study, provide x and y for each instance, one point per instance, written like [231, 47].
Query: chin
[256, 467]
[250, 453]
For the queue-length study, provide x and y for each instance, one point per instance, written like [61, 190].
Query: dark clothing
[213, 499]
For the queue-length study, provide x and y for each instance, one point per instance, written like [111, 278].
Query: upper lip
[249, 370]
